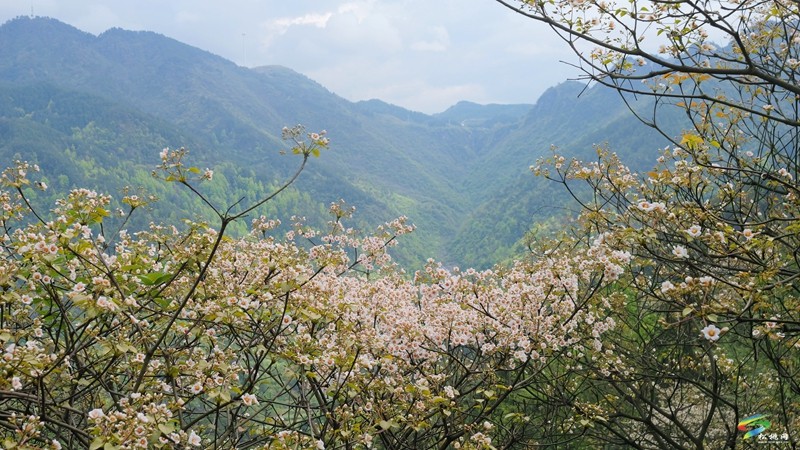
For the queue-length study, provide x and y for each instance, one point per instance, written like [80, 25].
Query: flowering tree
[706, 324]
[699, 54]
[707, 332]
[185, 337]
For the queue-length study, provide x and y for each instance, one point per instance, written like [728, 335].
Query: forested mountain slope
[98, 109]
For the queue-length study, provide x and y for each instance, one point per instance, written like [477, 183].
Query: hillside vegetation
[96, 110]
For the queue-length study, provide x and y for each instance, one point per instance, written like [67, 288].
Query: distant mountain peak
[469, 113]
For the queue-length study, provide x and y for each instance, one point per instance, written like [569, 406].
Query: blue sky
[424, 55]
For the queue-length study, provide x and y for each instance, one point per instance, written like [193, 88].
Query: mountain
[96, 110]
[473, 115]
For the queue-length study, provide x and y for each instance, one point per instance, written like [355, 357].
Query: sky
[423, 55]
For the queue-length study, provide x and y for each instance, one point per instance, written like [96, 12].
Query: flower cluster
[174, 338]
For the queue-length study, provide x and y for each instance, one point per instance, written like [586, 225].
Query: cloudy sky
[424, 55]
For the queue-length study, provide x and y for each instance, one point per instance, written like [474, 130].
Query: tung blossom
[680, 251]
[706, 280]
[196, 388]
[711, 332]
[194, 440]
[249, 399]
[694, 230]
[648, 206]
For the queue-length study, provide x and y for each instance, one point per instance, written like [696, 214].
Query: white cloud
[439, 42]
[361, 10]
[317, 20]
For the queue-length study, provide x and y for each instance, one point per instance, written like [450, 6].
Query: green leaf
[686, 311]
[712, 317]
[124, 347]
[691, 141]
[155, 278]
[385, 424]
[97, 443]
[166, 428]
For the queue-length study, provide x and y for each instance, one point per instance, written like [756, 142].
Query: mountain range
[95, 111]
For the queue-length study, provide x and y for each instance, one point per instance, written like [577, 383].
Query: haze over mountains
[96, 110]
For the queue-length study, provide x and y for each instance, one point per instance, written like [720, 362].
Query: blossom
[249, 399]
[680, 251]
[105, 303]
[197, 388]
[667, 286]
[96, 413]
[748, 233]
[694, 230]
[16, 384]
[450, 392]
[711, 332]
[706, 280]
[208, 174]
[194, 439]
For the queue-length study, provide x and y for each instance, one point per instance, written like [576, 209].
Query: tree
[184, 337]
[707, 334]
[749, 49]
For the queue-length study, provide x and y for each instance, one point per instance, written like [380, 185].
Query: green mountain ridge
[98, 109]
